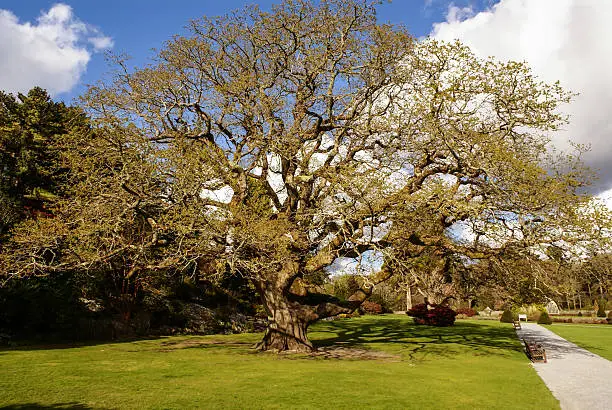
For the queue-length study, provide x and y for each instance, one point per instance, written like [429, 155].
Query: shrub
[544, 319]
[418, 312]
[579, 314]
[534, 316]
[507, 316]
[433, 315]
[562, 319]
[532, 311]
[588, 320]
[371, 308]
[609, 319]
[469, 312]
[601, 311]
[442, 316]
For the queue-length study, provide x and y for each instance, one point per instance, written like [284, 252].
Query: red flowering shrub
[371, 308]
[418, 313]
[469, 312]
[433, 315]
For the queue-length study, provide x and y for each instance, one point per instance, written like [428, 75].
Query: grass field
[595, 338]
[385, 362]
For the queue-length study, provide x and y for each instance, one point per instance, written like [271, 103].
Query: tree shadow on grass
[389, 332]
[415, 340]
[206, 343]
[34, 406]
[164, 344]
[60, 345]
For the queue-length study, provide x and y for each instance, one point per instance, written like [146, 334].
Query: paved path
[578, 378]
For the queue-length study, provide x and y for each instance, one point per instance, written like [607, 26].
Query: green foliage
[42, 308]
[389, 297]
[33, 134]
[544, 319]
[257, 200]
[534, 316]
[10, 212]
[507, 316]
[533, 311]
[344, 286]
[601, 310]
[524, 292]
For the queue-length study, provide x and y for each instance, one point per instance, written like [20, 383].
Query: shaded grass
[595, 338]
[471, 365]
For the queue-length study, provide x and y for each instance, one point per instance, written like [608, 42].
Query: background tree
[33, 130]
[268, 144]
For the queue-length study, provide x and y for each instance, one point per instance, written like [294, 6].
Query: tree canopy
[31, 131]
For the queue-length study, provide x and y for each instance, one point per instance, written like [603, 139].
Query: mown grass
[595, 338]
[472, 365]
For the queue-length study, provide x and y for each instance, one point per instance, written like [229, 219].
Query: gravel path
[578, 378]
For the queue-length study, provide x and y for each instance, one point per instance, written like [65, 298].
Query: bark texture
[288, 322]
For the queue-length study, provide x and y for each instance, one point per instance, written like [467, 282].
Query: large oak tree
[268, 144]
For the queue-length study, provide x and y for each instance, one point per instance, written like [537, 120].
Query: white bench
[522, 316]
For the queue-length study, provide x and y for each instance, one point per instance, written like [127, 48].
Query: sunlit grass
[468, 366]
[595, 338]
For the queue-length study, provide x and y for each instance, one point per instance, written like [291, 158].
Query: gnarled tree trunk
[292, 308]
[288, 322]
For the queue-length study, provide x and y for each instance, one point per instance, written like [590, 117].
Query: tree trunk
[288, 323]
[408, 298]
[590, 295]
[291, 308]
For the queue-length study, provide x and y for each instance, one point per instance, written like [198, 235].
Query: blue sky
[137, 26]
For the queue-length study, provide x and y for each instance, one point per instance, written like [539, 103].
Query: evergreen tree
[32, 132]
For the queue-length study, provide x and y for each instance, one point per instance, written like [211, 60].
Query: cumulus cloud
[565, 40]
[457, 14]
[101, 43]
[52, 52]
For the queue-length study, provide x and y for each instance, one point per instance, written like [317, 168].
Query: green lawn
[473, 365]
[596, 338]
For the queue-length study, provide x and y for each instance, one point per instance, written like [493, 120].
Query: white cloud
[101, 43]
[223, 194]
[606, 197]
[458, 14]
[565, 40]
[369, 262]
[52, 53]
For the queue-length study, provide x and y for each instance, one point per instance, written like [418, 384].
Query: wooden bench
[535, 351]
[516, 324]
